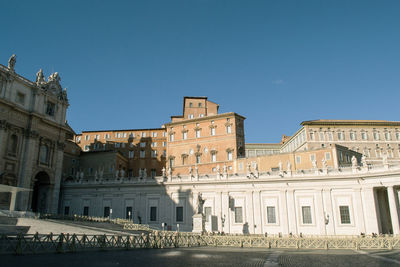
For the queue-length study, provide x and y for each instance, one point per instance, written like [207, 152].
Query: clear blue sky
[128, 64]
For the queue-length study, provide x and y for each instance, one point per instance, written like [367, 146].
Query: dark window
[44, 154]
[153, 214]
[207, 213]
[238, 215]
[344, 214]
[306, 212]
[271, 218]
[153, 173]
[129, 213]
[106, 212]
[12, 148]
[50, 108]
[86, 211]
[179, 214]
[66, 210]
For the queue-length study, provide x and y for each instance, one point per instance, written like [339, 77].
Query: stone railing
[318, 172]
[37, 243]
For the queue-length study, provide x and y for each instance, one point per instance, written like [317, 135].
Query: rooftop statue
[12, 61]
[40, 77]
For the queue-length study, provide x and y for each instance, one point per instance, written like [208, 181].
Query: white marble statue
[164, 172]
[280, 165]
[40, 77]
[354, 162]
[289, 166]
[324, 164]
[190, 171]
[117, 174]
[200, 203]
[385, 159]
[196, 169]
[145, 173]
[12, 61]
[225, 169]
[169, 172]
[364, 161]
[81, 175]
[122, 173]
[314, 164]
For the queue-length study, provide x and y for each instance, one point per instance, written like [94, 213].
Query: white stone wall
[324, 194]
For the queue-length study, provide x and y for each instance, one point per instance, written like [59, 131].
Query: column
[257, 212]
[226, 212]
[394, 215]
[291, 207]
[320, 212]
[13, 200]
[59, 150]
[328, 206]
[218, 209]
[284, 217]
[250, 212]
[370, 215]
[359, 210]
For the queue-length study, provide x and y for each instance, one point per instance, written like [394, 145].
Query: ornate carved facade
[32, 137]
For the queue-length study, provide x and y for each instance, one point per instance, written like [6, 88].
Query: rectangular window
[142, 153]
[330, 136]
[327, 155]
[20, 98]
[191, 116]
[131, 154]
[184, 135]
[376, 136]
[352, 136]
[214, 157]
[311, 136]
[198, 159]
[312, 157]
[154, 144]
[306, 214]
[85, 211]
[164, 144]
[398, 136]
[321, 136]
[340, 136]
[143, 134]
[171, 162]
[128, 213]
[153, 173]
[364, 136]
[228, 129]
[66, 210]
[298, 159]
[50, 109]
[171, 137]
[344, 214]
[179, 214]
[106, 212]
[387, 136]
[238, 215]
[153, 214]
[197, 133]
[154, 134]
[230, 155]
[207, 213]
[154, 153]
[87, 137]
[142, 144]
[212, 131]
[271, 218]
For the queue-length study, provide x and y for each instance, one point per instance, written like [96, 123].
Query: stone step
[4, 220]
[13, 229]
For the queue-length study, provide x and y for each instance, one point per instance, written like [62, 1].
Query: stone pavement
[209, 257]
[57, 227]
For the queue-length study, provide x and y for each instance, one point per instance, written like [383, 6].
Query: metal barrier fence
[38, 243]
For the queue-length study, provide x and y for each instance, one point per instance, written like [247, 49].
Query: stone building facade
[144, 149]
[373, 138]
[32, 138]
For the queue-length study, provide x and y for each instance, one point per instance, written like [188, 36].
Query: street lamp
[110, 213]
[177, 226]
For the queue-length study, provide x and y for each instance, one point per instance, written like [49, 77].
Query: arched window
[13, 145]
[44, 154]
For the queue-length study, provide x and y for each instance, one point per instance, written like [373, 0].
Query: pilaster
[370, 218]
[394, 215]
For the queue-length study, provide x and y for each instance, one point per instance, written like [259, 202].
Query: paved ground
[209, 257]
[58, 226]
